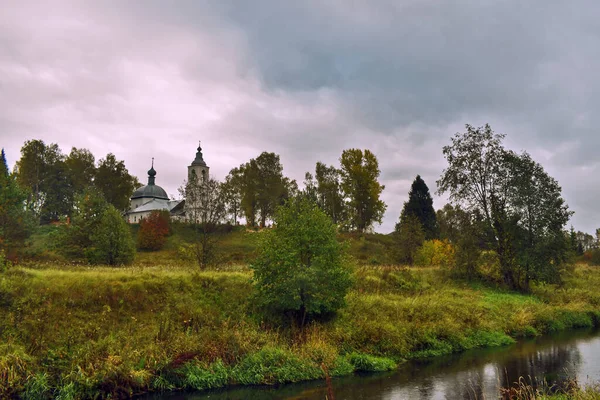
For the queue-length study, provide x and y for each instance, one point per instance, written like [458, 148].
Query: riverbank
[74, 331]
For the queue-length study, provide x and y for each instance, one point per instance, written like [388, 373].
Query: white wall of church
[135, 203]
[135, 218]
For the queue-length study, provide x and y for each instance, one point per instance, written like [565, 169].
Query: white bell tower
[198, 169]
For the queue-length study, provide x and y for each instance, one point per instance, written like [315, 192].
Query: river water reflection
[477, 374]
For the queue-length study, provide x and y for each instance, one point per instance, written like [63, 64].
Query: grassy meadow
[75, 331]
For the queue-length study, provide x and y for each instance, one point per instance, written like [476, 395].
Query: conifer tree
[15, 222]
[420, 205]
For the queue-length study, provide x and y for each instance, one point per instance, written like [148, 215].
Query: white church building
[154, 198]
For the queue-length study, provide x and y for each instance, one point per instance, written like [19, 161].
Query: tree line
[51, 179]
[349, 194]
[502, 204]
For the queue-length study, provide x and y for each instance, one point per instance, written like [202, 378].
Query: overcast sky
[307, 79]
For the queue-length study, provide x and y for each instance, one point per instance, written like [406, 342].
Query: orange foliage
[435, 253]
[154, 230]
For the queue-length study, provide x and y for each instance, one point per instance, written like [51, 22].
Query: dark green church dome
[150, 190]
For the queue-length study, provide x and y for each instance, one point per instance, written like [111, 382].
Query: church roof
[156, 204]
[151, 190]
[199, 160]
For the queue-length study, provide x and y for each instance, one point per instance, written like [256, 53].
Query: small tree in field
[521, 207]
[420, 205]
[113, 244]
[358, 179]
[206, 209]
[435, 253]
[154, 230]
[301, 270]
[409, 237]
[74, 240]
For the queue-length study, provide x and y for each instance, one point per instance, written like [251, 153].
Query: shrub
[409, 236]
[435, 253]
[301, 269]
[113, 244]
[154, 230]
[488, 265]
[75, 239]
[4, 262]
[594, 257]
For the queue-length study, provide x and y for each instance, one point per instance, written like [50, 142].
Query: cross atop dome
[151, 174]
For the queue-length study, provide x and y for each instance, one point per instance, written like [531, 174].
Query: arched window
[203, 176]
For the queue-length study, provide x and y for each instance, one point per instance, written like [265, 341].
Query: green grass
[237, 246]
[370, 249]
[72, 331]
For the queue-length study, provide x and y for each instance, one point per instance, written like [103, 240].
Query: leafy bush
[409, 236]
[153, 231]
[113, 244]
[4, 263]
[435, 253]
[301, 269]
[488, 265]
[75, 239]
[594, 257]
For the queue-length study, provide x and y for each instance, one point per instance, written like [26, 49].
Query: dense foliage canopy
[522, 212]
[301, 270]
[359, 173]
[16, 222]
[154, 230]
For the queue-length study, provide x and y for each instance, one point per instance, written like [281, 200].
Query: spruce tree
[420, 205]
[16, 223]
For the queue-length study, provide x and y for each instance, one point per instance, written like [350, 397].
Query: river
[476, 374]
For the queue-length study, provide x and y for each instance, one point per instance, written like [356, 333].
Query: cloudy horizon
[145, 79]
